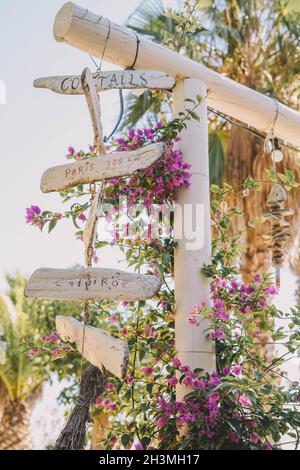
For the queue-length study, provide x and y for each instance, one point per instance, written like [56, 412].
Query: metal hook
[107, 138]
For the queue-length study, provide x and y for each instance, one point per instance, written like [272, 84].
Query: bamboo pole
[193, 346]
[87, 31]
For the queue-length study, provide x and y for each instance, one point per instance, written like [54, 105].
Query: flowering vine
[239, 405]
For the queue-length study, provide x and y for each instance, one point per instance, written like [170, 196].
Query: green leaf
[52, 225]
[126, 439]
[216, 158]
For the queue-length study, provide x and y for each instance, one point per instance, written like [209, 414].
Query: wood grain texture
[100, 348]
[93, 103]
[114, 79]
[90, 229]
[62, 177]
[82, 29]
[91, 284]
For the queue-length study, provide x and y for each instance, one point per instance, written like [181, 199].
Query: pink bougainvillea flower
[113, 318]
[150, 330]
[237, 370]
[130, 380]
[226, 371]
[271, 290]
[138, 447]
[218, 334]
[71, 150]
[147, 370]
[199, 384]
[214, 379]
[192, 319]
[263, 302]
[172, 381]
[176, 362]
[245, 401]
[82, 217]
[254, 438]
[31, 213]
[58, 353]
[267, 446]
[110, 387]
[113, 440]
[222, 315]
[33, 352]
[161, 422]
[234, 437]
[53, 338]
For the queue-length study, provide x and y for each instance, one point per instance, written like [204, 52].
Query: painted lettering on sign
[94, 169]
[127, 79]
[91, 284]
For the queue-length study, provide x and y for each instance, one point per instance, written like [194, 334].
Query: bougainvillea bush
[243, 404]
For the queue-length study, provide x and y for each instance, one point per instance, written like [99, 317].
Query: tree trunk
[14, 427]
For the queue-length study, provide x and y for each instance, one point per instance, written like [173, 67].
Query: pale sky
[37, 126]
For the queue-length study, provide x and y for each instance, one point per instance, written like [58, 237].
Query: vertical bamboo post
[192, 345]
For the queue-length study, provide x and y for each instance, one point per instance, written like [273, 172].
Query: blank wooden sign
[90, 170]
[100, 348]
[93, 103]
[90, 229]
[91, 284]
[116, 79]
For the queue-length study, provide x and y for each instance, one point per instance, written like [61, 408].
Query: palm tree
[21, 379]
[256, 43]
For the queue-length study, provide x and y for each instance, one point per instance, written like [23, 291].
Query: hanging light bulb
[277, 154]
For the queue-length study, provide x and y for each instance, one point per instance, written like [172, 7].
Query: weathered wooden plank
[82, 29]
[93, 103]
[115, 79]
[100, 348]
[91, 284]
[62, 177]
[90, 229]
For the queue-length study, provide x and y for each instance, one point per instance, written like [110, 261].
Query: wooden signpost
[116, 79]
[93, 103]
[62, 177]
[100, 348]
[90, 229]
[91, 284]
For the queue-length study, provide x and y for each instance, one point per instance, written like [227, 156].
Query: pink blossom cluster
[203, 411]
[156, 184]
[229, 295]
[58, 352]
[106, 404]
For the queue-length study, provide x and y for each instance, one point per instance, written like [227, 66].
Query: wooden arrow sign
[91, 284]
[93, 103]
[116, 79]
[100, 348]
[90, 170]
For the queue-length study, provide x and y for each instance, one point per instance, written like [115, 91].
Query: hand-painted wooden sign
[93, 102]
[90, 170]
[90, 229]
[100, 348]
[116, 79]
[91, 284]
